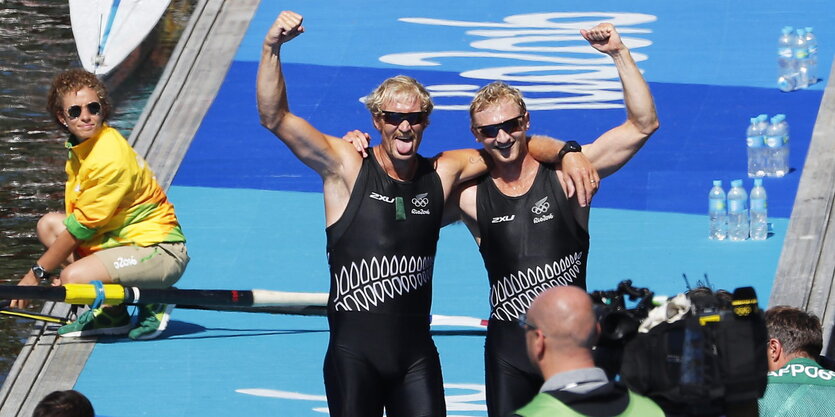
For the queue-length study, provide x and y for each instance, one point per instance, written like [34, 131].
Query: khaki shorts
[157, 266]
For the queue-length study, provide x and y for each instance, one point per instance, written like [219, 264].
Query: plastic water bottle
[784, 156]
[737, 211]
[755, 138]
[763, 123]
[777, 141]
[759, 211]
[801, 58]
[812, 47]
[786, 76]
[773, 141]
[717, 212]
[779, 153]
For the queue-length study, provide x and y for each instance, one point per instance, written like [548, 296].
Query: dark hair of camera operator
[792, 333]
[797, 384]
[560, 331]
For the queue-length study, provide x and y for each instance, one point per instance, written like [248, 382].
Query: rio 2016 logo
[121, 262]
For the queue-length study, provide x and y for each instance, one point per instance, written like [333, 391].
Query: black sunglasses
[395, 118]
[509, 126]
[93, 108]
[523, 322]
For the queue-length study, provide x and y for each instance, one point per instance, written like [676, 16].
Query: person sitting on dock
[118, 226]
[383, 216]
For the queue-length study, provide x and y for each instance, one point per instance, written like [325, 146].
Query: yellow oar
[4, 309]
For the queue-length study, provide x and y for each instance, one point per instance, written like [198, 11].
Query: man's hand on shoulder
[580, 177]
[360, 140]
[287, 26]
[578, 173]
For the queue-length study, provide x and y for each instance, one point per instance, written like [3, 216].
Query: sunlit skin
[565, 330]
[400, 142]
[506, 147]
[86, 125]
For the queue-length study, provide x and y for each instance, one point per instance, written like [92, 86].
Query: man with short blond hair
[531, 234]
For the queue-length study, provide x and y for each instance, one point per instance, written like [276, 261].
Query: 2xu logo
[381, 197]
[502, 219]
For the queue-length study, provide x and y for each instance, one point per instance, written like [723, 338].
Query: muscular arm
[614, 148]
[581, 174]
[320, 152]
[461, 165]
[617, 146]
[333, 159]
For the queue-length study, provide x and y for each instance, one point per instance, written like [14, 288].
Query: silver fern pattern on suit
[512, 295]
[363, 285]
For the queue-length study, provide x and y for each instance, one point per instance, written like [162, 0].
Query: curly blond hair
[395, 87]
[71, 81]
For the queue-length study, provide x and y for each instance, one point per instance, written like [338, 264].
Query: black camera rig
[709, 362]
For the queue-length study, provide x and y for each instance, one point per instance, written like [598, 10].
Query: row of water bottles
[732, 221]
[797, 58]
[768, 146]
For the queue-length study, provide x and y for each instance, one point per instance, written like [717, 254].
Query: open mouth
[404, 144]
[504, 146]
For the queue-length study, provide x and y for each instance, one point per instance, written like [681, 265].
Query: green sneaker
[153, 319]
[98, 322]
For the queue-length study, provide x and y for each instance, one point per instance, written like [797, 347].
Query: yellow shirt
[112, 197]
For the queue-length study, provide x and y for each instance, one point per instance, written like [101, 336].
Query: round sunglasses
[93, 108]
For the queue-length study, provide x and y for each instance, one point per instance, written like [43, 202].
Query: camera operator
[797, 384]
[560, 331]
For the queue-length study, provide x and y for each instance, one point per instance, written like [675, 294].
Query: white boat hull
[108, 31]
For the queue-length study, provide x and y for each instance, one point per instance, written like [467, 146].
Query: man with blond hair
[531, 234]
[383, 215]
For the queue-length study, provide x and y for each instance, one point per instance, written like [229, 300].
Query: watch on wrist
[570, 146]
[40, 273]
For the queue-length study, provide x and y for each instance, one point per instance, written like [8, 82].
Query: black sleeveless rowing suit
[381, 254]
[529, 244]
